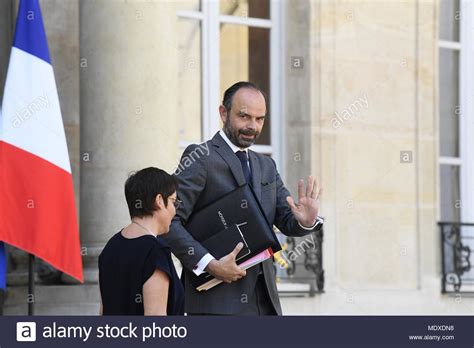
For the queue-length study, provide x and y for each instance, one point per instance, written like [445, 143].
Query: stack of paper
[264, 255]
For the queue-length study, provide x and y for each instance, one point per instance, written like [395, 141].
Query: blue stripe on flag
[3, 267]
[30, 35]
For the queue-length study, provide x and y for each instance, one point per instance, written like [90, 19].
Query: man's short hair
[142, 187]
[229, 93]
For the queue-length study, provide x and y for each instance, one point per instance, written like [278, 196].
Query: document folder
[235, 217]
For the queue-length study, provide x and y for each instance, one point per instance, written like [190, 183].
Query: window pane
[450, 193]
[189, 79]
[449, 17]
[245, 56]
[188, 5]
[449, 102]
[246, 8]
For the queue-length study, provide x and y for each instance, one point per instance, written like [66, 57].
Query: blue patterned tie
[242, 155]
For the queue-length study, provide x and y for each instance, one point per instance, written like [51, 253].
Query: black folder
[235, 217]
[224, 241]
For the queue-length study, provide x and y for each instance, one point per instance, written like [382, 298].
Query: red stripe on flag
[37, 209]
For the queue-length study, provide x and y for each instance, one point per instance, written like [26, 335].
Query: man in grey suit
[210, 170]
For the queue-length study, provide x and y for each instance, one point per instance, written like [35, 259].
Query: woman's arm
[155, 293]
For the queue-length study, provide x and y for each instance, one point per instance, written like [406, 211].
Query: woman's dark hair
[229, 93]
[142, 187]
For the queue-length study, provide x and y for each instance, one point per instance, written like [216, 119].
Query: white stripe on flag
[31, 112]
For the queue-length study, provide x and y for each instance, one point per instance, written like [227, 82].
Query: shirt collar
[233, 147]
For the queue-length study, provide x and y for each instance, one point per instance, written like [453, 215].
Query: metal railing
[457, 245]
[300, 264]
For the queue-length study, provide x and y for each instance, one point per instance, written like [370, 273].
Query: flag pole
[2, 300]
[3, 275]
[31, 284]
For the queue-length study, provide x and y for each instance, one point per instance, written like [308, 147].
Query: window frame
[465, 160]
[466, 146]
[210, 19]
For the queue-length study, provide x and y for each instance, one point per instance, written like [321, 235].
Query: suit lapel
[229, 157]
[256, 173]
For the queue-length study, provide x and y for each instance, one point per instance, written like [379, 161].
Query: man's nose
[252, 125]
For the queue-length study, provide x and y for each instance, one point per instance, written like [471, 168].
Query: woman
[136, 272]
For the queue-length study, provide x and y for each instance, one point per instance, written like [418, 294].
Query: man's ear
[223, 113]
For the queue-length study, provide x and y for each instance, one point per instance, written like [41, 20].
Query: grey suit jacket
[207, 172]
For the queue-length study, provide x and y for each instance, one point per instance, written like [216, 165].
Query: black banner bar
[316, 331]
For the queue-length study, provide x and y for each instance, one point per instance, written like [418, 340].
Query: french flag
[37, 208]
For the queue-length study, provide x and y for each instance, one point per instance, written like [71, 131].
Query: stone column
[128, 87]
[6, 22]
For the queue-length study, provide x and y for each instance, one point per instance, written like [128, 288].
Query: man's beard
[233, 135]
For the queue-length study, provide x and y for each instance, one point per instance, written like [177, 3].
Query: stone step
[56, 309]
[54, 300]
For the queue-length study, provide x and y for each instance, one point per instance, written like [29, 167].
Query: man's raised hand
[307, 209]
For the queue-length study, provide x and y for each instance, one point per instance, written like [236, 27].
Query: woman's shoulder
[160, 249]
[159, 256]
[119, 244]
[162, 243]
[111, 243]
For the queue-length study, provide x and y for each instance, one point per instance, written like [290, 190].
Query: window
[456, 145]
[189, 79]
[236, 40]
[456, 111]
